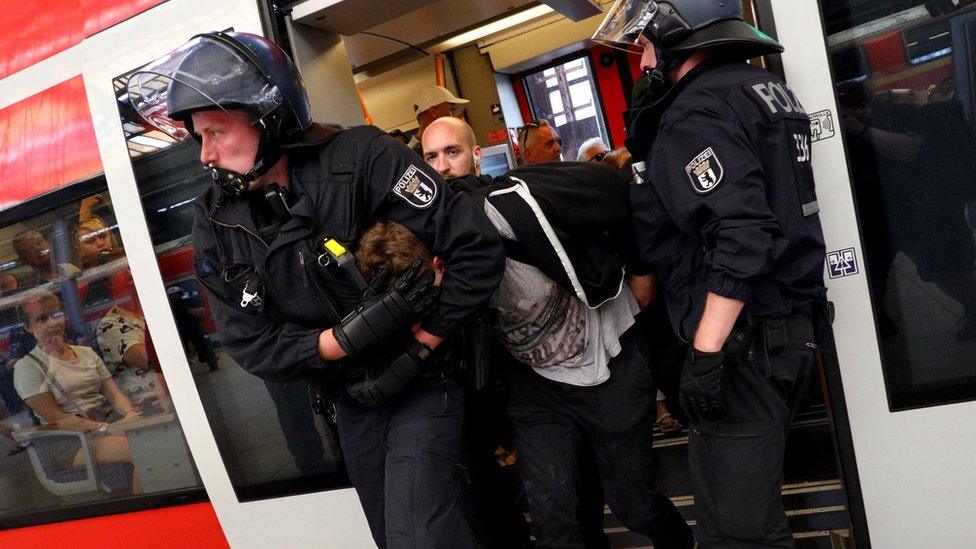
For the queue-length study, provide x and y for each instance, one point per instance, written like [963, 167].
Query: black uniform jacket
[728, 203]
[339, 185]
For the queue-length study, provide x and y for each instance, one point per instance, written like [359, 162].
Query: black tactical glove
[385, 314]
[382, 387]
[701, 384]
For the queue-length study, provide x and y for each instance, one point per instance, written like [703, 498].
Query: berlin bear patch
[416, 188]
[705, 172]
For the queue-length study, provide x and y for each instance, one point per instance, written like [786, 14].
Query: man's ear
[476, 151]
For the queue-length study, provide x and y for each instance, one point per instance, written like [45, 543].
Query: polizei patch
[705, 172]
[416, 188]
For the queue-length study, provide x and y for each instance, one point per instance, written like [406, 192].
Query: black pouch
[823, 319]
[738, 347]
[775, 337]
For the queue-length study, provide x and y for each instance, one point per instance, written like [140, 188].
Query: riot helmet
[227, 71]
[678, 28]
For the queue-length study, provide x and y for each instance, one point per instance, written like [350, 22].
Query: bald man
[450, 148]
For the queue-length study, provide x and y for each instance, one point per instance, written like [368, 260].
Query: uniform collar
[316, 136]
[645, 125]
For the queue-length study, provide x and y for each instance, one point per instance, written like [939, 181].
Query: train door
[270, 464]
[888, 85]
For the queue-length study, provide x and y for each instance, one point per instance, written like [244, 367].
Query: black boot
[673, 532]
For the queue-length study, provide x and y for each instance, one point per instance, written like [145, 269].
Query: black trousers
[552, 420]
[404, 461]
[737, 462]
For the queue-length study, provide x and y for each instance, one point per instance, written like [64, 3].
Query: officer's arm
[716, 322]
[717, 189]
[270, 350]
[451, 226]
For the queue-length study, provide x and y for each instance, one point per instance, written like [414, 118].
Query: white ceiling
[421, 23]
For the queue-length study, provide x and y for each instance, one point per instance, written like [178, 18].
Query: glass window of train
[912, 155]
[567, 96]
[85, 414]
[272, 439]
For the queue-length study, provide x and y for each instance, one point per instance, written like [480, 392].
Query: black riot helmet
[678, 28]
[227, 71]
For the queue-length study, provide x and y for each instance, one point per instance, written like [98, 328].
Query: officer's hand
[383, 315]
[378, 285]
[701, 384]
[380, 389]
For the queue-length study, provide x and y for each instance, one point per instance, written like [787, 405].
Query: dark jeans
[552, 420]
[403, 459]
[496, 497]
[737, 462]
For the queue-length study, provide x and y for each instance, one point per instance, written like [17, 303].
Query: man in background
[538, 143]
[434, 102]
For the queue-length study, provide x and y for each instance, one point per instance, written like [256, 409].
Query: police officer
[726, 212]
[272, 239]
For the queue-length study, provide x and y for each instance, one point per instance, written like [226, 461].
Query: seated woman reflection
[69, 385]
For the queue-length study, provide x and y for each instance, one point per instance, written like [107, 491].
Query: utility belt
[759, 337]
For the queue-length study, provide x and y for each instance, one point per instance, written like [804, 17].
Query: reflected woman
[69, 385]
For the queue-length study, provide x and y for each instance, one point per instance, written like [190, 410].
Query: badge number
[705, 172]
[416, 188]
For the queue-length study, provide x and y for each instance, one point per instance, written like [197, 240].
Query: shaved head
[462, 130]
[450, 148]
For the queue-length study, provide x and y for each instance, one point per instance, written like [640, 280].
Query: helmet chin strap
[667, 64]
[235, 184]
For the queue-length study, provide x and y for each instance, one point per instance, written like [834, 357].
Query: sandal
[505, 458]
[668, 424]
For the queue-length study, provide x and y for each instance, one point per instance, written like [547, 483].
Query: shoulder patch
[416, 188]
[705, 171]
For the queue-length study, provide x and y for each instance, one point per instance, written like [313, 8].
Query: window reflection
[273, 437]
[912, 152]
[85, 408]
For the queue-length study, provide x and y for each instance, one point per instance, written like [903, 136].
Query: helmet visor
[624, 23]
[202, 74]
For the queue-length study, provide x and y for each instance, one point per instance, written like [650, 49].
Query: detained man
[582, 378]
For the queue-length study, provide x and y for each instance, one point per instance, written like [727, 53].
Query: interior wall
[389, 96]
[321, 58]
[476, 79]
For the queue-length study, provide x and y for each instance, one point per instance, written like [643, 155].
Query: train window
[273, 437]
[566, 96]
[86, 414]
[928, 42]
[912, 151]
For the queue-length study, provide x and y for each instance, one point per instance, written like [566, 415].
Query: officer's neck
[696, 59]
[277, 174]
